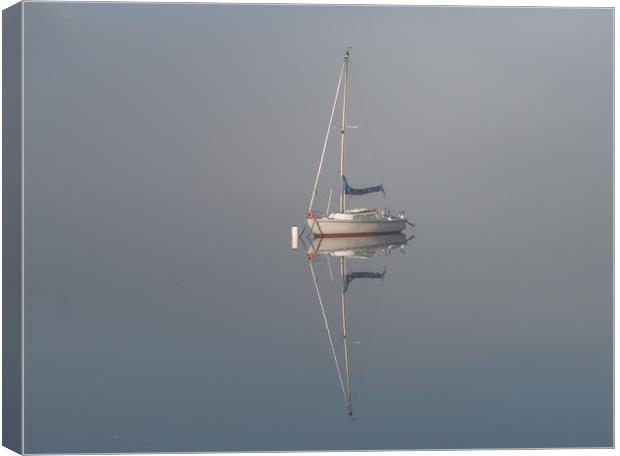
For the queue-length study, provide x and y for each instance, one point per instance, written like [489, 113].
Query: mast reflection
[346, 250]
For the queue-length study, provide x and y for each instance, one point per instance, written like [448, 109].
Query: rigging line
[329, 334]
[331, 118]
[358, 93]
[330, 267]
[329, 200]
[301, 234]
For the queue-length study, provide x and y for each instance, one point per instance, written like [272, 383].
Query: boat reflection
[357, 247]
[348, 250]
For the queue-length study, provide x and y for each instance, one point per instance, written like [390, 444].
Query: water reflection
[357, 247]
[349, 251]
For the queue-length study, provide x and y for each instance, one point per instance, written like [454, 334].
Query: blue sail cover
[348, 190]
[361, 275]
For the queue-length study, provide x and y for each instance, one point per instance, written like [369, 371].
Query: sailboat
[346, 249]
[350, 222]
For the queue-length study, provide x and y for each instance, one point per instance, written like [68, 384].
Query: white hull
[327, 227]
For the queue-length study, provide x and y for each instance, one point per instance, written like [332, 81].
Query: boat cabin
[356, 214]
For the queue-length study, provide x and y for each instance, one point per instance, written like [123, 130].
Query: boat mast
[343, 128]
[343, 272]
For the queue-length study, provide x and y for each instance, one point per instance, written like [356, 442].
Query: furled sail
[350, 277]
[348, 190]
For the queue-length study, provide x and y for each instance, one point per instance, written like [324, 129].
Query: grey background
[168, 150]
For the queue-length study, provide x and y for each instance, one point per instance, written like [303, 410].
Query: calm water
[164, 307]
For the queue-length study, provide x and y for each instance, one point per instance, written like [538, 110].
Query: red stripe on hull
[371, 233]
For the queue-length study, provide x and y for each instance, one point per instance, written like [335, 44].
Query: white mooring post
[294, 237]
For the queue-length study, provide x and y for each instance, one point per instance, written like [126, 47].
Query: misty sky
[168, 150]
